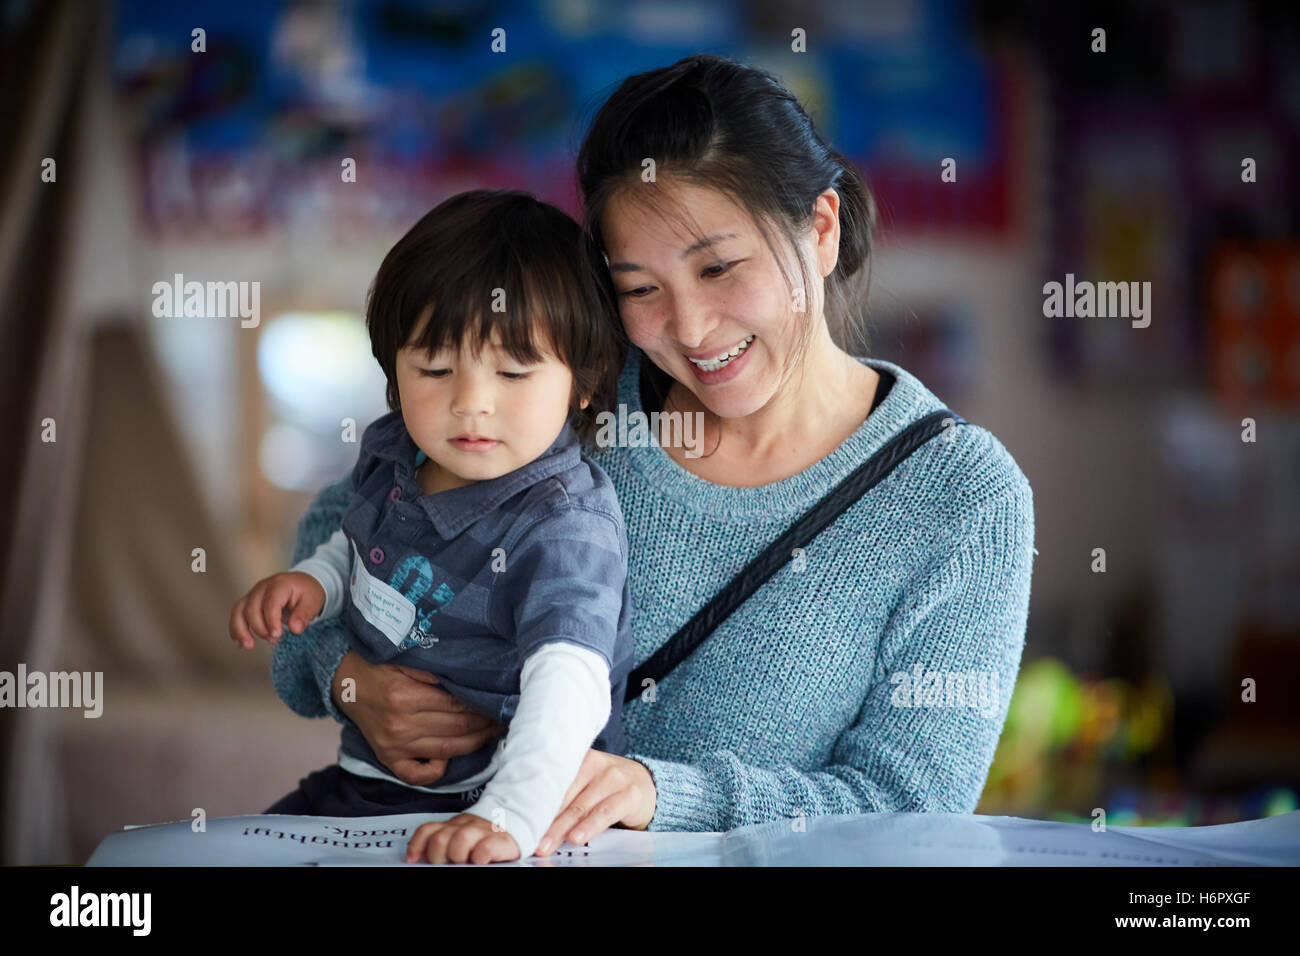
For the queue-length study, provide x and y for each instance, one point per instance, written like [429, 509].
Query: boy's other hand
[290, 599]
[465, 838]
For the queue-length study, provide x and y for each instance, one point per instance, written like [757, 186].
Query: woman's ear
[826, 230]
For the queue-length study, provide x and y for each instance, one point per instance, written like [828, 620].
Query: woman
[738, 245]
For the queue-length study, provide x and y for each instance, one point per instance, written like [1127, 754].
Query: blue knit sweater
[871, 673]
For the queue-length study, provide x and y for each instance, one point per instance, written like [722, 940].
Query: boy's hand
[292, 597]
[465, 838]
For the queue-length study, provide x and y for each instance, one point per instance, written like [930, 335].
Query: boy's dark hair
[466, 248]
[712, 121]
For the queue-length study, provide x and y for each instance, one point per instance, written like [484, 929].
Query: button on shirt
[484, 585]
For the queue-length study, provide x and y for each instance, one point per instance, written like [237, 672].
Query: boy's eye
[440, 372]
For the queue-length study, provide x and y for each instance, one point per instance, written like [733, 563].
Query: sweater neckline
[907, 401]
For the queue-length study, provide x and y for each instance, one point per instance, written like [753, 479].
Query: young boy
[480, 543]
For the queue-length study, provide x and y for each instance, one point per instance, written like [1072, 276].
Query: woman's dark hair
[711, 121]
[485, 250]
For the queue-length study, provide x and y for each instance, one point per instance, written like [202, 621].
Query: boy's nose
[472, 400]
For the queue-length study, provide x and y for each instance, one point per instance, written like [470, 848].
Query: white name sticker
[381, 604]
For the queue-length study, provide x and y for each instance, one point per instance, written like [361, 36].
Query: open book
[872, 839]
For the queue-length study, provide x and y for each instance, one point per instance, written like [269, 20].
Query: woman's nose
[689, 322]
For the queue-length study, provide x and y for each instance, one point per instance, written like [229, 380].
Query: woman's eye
[515, 376]
[713, 271]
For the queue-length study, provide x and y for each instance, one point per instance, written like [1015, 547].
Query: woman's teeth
[721, 361]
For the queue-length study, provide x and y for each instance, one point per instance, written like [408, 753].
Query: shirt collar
[454, 510]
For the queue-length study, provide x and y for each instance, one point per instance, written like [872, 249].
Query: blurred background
[139, 151]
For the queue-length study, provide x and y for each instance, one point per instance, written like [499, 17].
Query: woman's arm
[968, 613]
[303, 665]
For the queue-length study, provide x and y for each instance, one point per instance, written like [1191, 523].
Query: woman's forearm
[303, 665]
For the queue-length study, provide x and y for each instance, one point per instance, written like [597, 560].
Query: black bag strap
[798, 535]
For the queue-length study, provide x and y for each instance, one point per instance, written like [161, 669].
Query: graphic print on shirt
[420, 635]
[392, 606]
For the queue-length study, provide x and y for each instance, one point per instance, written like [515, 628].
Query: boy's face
[518, 408]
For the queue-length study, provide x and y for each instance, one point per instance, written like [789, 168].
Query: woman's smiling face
[682, 297]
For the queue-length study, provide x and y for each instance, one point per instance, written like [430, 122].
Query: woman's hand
[608, 791]
[413, 726]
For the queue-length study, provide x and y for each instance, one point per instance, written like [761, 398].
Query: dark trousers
[333, 792]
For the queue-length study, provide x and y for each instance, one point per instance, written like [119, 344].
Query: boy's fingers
[238, 630]
[463, 843]
[437, 851]
[298, 615]
[271, 608]
[504, 849]
[494, 848]
[253, 614]
[234, 620]
[253, 618]
[415, 849]
[433, 846]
